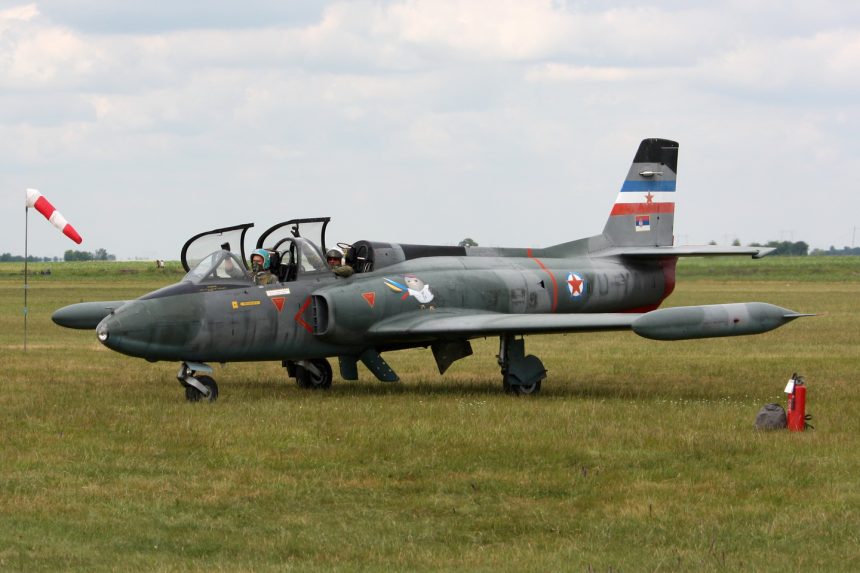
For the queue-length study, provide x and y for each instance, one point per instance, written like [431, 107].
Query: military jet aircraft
[405, 296]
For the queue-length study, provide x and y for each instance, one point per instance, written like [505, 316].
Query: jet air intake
[708, 321]
[341, 315]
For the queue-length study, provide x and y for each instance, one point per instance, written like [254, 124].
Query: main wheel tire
[310, 380]
[521, 390]
[192, 394]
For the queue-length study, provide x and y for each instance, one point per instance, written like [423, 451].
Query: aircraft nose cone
[124, 330]
[109, 332]
[156, 329]
[103, 331]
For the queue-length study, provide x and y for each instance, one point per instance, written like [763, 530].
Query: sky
[511, 122]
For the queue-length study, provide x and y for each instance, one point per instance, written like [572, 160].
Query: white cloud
[38, 56]
[557, 72]
[468, 105]
[22, 13]
[823, 63]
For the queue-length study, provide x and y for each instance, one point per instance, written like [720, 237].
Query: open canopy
[295, 247]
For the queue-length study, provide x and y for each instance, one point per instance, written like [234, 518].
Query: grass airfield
[637, 455]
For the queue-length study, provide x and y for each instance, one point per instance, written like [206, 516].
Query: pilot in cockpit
[334, 258]
[261, 267]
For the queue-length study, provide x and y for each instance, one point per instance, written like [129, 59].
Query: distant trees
[468, 242]
[103, 255]
[70, 255]
[834, 252]
[10, 258]
[98, 255]
[796, 249]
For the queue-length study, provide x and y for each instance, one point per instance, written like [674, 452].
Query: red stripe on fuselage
[551, 277]
[642, 208]
[668, 267]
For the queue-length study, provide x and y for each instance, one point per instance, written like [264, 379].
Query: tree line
[801, 249]
[783, 248]
[70, 255]
[97, 255]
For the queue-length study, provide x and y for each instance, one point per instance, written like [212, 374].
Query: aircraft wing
[675, 323]
[470, 323]
[687, 251]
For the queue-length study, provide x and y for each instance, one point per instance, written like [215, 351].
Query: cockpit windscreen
[220, 267]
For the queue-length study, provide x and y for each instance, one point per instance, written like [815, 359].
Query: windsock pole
[26, 256]
[43, 206]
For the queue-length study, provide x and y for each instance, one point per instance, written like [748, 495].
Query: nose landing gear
[197, 387]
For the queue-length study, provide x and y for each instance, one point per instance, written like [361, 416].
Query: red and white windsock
[43, 206]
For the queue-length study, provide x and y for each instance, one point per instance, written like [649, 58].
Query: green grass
[637, 456]
[818, 269]
[127, 271]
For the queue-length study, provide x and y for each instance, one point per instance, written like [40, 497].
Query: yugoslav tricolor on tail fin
[644, 211]
[641, 222]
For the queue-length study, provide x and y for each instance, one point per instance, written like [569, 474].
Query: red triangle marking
[370, 297]
[278, 301]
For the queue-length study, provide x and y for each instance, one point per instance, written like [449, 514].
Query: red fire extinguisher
[796, 413]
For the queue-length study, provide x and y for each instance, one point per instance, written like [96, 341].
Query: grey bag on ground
[770, 417]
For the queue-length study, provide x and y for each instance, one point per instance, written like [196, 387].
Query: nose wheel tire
[192, 394]
[314, 374]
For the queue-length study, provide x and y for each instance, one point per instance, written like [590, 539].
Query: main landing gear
[313, 374]
[521, 374]
[197, 387]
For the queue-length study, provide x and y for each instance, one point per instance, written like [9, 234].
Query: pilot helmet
[333, 254]
[263, 253]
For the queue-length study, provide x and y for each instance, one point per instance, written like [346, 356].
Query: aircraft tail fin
[644, 211]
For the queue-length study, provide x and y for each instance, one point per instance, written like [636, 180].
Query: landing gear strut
[520, 374]
[197, 387]
[313, 374]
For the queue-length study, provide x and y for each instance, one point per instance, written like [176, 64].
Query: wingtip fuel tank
[85, 315]
[715, 320]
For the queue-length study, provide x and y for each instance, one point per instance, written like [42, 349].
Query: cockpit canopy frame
[204, 244]
[296, 246]
[294, 229]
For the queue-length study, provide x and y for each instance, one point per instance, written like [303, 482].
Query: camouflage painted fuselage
[323, 316]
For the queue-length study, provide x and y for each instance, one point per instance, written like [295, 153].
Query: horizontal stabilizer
[685, 251]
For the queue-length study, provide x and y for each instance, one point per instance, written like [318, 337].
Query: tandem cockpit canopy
[296, 248]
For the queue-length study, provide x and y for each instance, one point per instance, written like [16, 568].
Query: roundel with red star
[575, 284]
